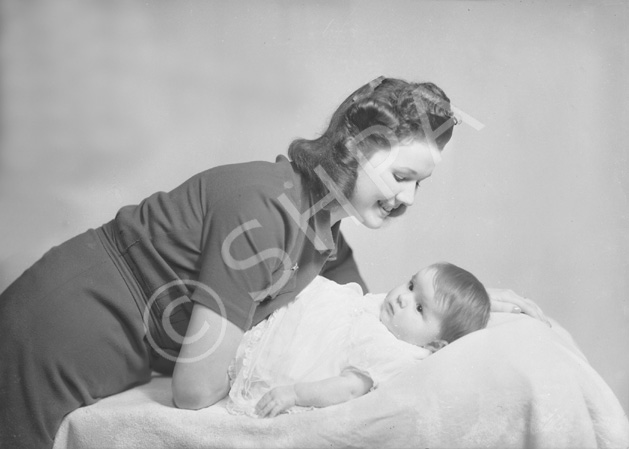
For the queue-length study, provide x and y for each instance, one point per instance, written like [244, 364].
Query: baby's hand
[276, 401]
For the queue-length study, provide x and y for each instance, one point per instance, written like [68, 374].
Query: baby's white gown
[328, 328]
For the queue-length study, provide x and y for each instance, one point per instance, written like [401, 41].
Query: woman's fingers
[504, 307]
[513, 303]
[504, 300]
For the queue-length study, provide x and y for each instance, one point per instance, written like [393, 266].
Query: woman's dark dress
[96, 314]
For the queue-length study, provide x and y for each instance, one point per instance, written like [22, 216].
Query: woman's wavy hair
[379, 114]
[462, 300]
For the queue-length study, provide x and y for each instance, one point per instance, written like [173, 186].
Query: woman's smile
[386, 209]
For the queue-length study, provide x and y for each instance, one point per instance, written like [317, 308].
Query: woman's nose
[406, 196]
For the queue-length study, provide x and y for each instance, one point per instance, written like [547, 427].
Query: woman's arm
[334, 390]
[200, 377]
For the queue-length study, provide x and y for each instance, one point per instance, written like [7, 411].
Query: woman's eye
[420, 309]
[410, 285]
[399, 178]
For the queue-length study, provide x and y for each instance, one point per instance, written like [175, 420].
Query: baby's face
[409, 310]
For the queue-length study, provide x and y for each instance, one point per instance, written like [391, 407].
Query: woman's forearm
[335, 390]
[200, 377]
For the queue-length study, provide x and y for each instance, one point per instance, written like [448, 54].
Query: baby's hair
[462, 300]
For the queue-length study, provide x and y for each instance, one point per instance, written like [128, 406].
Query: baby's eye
[417, 186]
[420, 309]
[410, 285]
[399, 178]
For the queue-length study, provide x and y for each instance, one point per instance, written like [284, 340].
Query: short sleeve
[244, 257]
[377, 353]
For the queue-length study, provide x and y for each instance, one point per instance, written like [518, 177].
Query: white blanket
[516, 384]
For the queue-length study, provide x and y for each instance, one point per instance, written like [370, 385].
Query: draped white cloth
[516, 384]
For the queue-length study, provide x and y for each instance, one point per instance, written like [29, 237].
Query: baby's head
[441, 302]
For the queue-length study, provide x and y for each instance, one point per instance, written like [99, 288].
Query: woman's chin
[374, 219]
[374, 223]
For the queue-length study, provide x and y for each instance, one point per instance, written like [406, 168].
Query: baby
[333, 343]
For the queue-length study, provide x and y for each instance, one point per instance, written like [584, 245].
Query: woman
[207, 261]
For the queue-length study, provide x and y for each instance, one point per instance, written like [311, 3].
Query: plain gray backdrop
[105, 102]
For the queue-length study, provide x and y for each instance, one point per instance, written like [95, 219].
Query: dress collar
[314, 220]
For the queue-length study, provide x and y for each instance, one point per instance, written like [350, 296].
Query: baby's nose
[403, 300]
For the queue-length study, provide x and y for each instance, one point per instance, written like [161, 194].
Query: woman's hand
[505, 300]
[276, 401]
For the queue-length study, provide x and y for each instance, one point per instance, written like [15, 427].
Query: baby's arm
[322, 393]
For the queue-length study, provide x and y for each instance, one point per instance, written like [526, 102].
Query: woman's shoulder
[235, 188]
[262, 174]
[253, 183]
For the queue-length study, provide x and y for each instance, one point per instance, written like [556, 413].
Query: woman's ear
[436, 345]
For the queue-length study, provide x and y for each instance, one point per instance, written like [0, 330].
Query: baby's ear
[436, 345]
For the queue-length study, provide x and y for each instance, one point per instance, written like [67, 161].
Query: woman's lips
[385, 210]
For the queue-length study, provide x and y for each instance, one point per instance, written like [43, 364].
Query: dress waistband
[155, 310]
[106, 234]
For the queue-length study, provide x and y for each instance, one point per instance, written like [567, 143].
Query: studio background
[106, 102]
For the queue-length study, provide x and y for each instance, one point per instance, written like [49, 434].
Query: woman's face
[389, 179]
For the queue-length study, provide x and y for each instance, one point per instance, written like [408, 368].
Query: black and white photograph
[314, 224]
